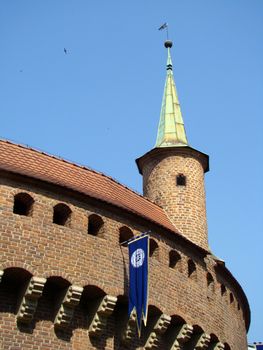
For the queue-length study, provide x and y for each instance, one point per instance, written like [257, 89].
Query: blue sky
[99, 104]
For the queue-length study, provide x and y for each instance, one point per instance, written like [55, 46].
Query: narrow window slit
[180, 180]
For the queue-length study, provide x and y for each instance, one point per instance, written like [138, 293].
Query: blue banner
[259, 346]
[138, 287]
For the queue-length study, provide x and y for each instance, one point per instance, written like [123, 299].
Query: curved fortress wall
[64, 277]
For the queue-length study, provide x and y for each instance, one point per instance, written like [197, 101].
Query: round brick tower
[173, 172]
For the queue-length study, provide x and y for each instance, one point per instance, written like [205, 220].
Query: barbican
[63, 270]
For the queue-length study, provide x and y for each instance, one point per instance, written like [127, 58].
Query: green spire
[171, 131]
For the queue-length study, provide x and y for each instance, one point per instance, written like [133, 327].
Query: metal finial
[168, 44]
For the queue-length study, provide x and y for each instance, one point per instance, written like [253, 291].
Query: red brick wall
[69, 255]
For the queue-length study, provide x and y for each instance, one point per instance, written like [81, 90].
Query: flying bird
[65, 51]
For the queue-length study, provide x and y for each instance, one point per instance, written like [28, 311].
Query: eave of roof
[39, 165]
[169, 151]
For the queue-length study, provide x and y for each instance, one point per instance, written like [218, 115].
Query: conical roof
[171, 131]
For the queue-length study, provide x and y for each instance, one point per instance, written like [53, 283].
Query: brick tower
[173, 172]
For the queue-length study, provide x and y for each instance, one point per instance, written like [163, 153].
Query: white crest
[137, 258]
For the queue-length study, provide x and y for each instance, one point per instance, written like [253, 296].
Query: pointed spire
[171, 131]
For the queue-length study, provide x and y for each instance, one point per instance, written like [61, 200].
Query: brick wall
[34, 246]
[184, 205]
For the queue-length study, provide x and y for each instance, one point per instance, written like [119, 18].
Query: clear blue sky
[99, 104]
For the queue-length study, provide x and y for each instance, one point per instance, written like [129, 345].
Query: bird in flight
[65, 51]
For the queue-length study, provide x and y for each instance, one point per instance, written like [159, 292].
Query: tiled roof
[38, 165]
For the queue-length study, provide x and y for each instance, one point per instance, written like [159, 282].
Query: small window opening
[61, 215]
[209, 279]
[191, 268]
[154, 249]
[180, 180]
[210, 282]
[95, 226]
[238, 306]
[223, 290]
[174, 258]
[231, 298]
[23, 204]
[125, 234]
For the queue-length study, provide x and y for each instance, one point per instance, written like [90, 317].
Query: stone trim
[30, 298]
[202, 342]
[153, 340]
[130, 329]
[181, 335]
[101, 312]
[66, 309]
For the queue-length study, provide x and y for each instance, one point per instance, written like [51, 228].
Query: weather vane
[165, 26]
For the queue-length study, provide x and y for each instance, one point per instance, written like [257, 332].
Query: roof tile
[27, 161]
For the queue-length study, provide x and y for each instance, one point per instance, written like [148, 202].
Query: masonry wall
[184, 205]
[69, 255]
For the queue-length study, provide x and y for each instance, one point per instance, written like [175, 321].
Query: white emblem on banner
[137, 257]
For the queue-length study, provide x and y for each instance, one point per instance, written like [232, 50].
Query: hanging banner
[138, 286]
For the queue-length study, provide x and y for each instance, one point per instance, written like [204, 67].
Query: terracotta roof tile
[26, 161]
